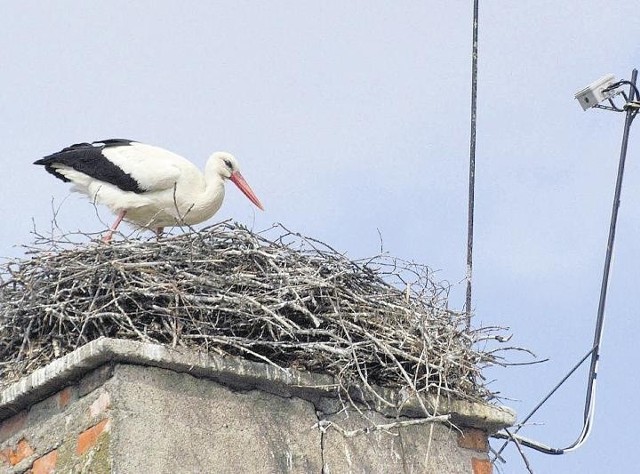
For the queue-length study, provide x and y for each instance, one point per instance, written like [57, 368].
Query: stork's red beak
[239, 181]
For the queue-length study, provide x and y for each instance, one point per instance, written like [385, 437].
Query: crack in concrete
[320, 417]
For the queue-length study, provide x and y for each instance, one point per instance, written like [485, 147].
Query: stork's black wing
[87, 158]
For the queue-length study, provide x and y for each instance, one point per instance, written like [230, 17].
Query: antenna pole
[597, 339]
[472, 159]
[631, 107]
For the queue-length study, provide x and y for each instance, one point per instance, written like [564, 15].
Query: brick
[46, 464]
[64, 397]
[88, 438]
[56, 403]
[21, 451]
[481, 466]
[472, 438]
[12, 425]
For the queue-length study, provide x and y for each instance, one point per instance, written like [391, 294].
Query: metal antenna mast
[472, 159]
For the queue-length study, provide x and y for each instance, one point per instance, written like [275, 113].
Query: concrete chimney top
[124, 406]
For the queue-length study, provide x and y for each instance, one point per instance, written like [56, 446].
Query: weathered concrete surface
[193, 424]
[431, 448]
[231, 371]
[128, 407]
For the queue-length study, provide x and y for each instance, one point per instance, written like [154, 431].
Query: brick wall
[66, 432]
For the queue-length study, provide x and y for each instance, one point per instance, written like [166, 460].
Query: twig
[325, 424]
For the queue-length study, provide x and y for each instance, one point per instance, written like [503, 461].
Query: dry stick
[364, 378]
[517, 443]
[325, 424]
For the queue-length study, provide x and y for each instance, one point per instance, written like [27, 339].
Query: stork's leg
[107, 238]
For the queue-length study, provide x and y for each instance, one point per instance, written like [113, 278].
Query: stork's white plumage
[146, 185]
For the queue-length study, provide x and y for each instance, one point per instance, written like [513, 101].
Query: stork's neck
[205, 199]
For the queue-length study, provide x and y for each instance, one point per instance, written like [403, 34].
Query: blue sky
[352, 117]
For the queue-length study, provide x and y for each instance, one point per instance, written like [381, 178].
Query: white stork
[146, 185]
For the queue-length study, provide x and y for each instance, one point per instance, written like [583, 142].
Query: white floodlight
[595, 92]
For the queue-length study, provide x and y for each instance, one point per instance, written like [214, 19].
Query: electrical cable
[589, 408]
[628, 83]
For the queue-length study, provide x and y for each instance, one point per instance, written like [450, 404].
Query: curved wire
[628, 83]
[614, 106]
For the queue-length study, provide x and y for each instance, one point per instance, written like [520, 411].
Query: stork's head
[226, 166]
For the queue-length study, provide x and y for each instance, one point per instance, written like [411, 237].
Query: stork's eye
[228, 164]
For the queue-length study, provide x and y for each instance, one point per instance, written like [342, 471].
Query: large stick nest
[285, 300]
